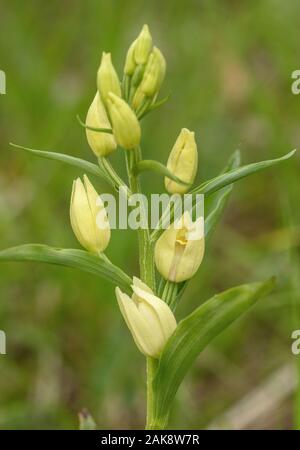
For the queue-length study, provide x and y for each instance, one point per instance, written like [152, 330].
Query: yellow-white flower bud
[107, 78]
[130, 63]
[126, 127]
[101, 143]
[143, 46]
[180, 249]
[154, 73]
[88, 217]
[149, 318]
[182, 162]
[138, 98]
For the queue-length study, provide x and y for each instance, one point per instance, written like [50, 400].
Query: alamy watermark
[2, 82]
[296, 84]
[137, 211]
[296, 344]
[2, 343]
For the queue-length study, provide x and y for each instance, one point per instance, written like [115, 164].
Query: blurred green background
[229, 72]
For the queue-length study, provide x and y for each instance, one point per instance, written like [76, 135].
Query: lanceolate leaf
[233, 175]
[86, 166]
[193, 334]
[233, 162]
[213, 215]
[78, 259]
[155, 166]
[155, 106]
[219, 182]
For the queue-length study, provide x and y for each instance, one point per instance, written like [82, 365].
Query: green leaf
[116, 181]
[217, 183]
[233, 162]
[193, 334]
[155, 105]
[233, 175]
[227, 178]
[79, 259]
[216, 211]
[149, 164]
[221, 197]
[86, 166]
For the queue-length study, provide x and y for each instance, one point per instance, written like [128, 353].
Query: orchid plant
[169, 256]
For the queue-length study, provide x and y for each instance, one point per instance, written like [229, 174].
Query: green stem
[151, 369]
[147, 274]
[170, 293]
[146, 247]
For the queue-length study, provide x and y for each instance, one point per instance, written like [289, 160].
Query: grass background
[229, 71]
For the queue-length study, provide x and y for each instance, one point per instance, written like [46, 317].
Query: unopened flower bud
[101, 143]
[182, 162]
[154, 73]
[126, 127]
[138, 99]
[88, 217]
[143, 46]
[107, 78]
[130, 63]
[149, 318]
[180, 249]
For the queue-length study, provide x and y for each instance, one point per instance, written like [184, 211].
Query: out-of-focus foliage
[229, 71]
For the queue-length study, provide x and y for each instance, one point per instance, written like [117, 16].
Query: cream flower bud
[125, 124]
[180, 249]
[130, 63]
[101, 143]
[182, 162]
[154, 73]
[88, 217]
[138, 98]
[143, 46]
[107, 78]
[149, 318]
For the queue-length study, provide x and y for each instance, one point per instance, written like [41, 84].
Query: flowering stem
[151, 369]
[147, 273]
[170, 293]
[146, 249]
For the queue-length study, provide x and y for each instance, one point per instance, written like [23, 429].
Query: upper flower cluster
[117, 105]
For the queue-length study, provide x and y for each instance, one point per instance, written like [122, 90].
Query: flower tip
[145, 29]
[106, 55]
[186, 132]
[137, 290]
[135, 281]
[119, 295]
[78, 182]
[86, 181]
